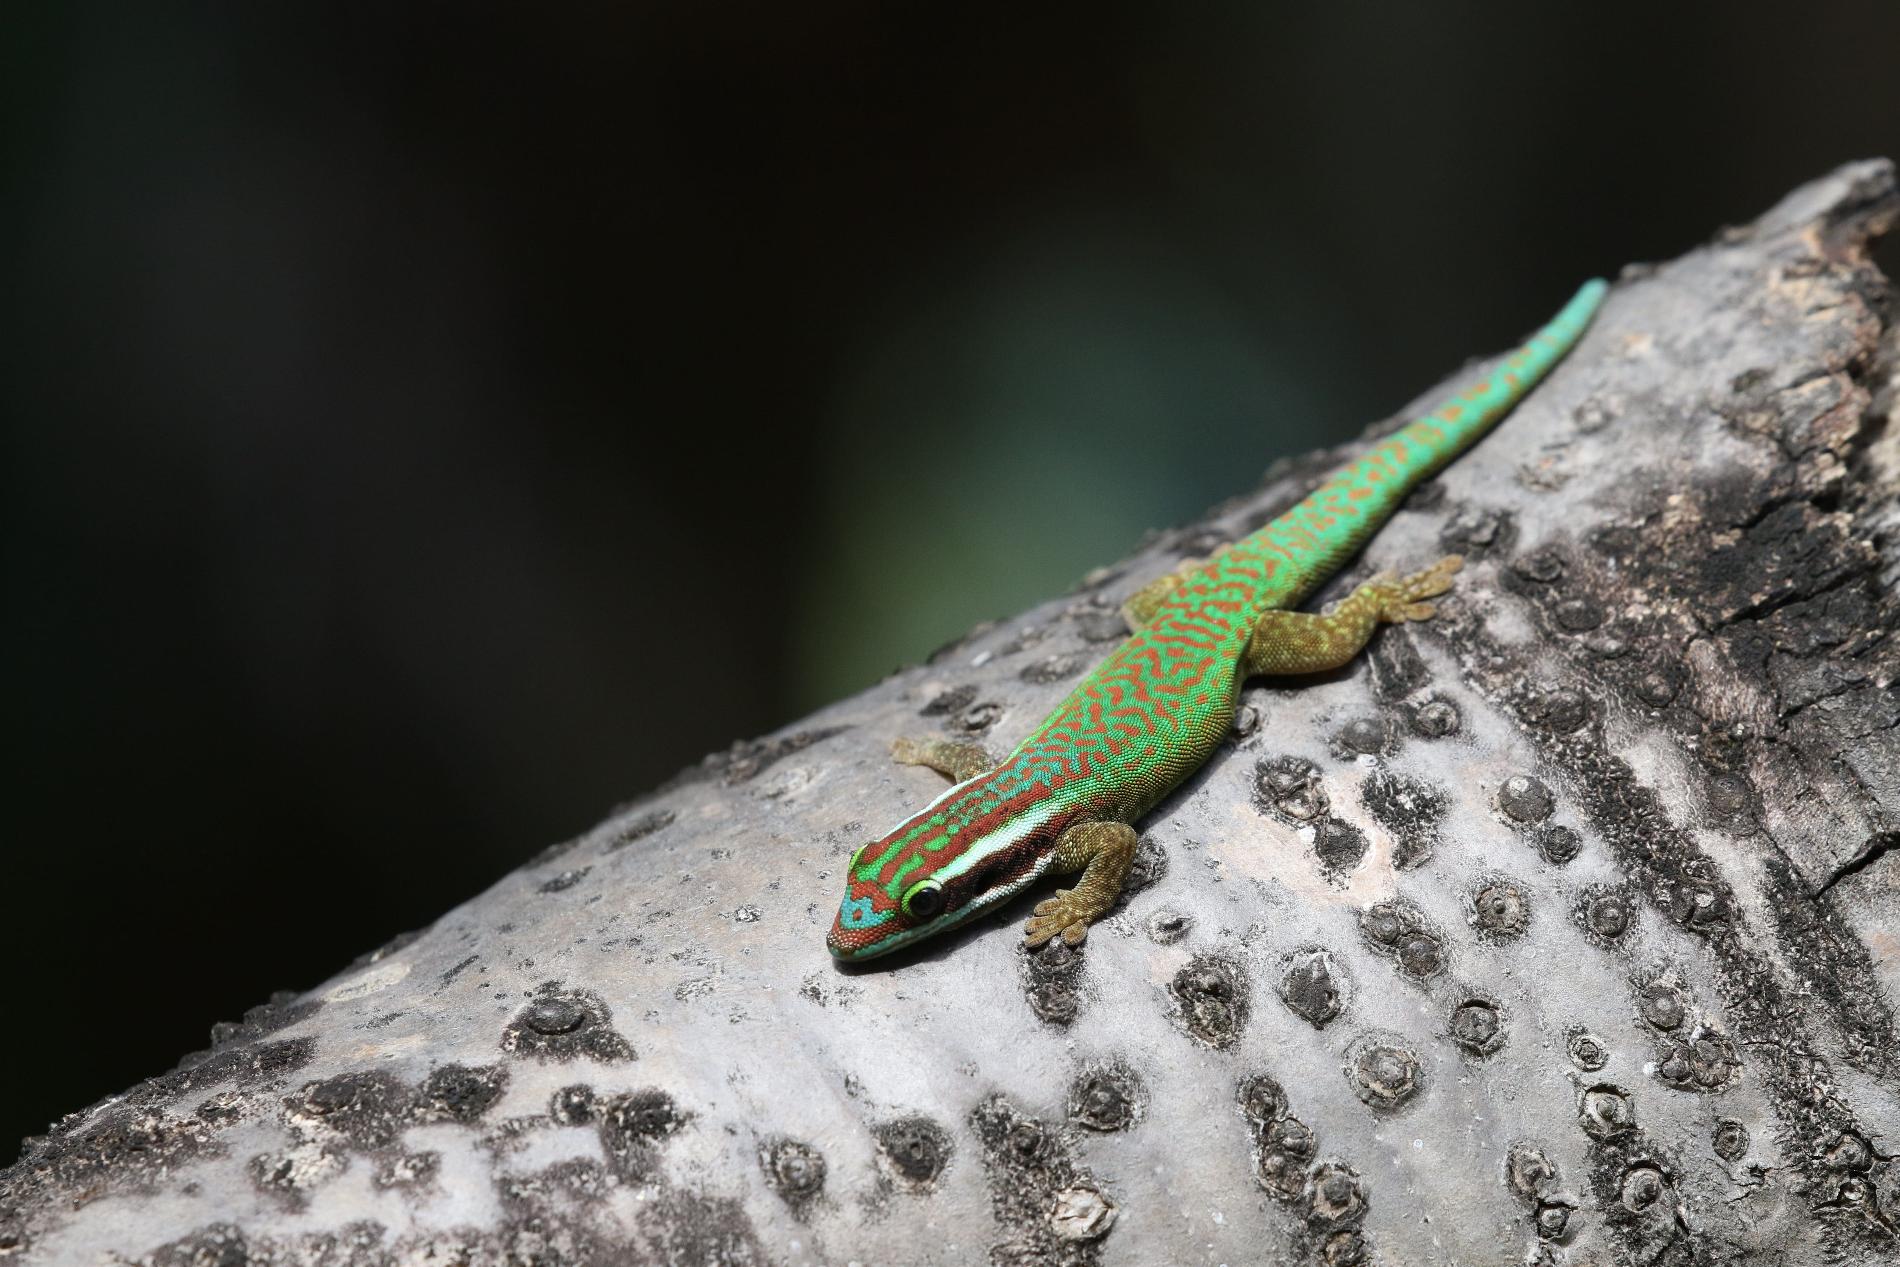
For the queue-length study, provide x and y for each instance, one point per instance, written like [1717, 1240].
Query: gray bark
[1565, 927]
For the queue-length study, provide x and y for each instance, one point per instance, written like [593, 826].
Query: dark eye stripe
[1002, 869]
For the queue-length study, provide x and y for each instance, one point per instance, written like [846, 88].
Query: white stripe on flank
[992, 842]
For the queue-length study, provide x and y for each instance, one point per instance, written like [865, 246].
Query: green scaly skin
[1151, 713]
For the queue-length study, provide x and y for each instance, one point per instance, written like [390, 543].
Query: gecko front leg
[1146, 601]
[955, 760]
[1102, 852]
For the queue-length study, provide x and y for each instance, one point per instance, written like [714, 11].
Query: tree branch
[1552, 929]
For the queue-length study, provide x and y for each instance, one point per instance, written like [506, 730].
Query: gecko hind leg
[1102, 852]
[1311, 642]
[1141, 606]
[955, 760]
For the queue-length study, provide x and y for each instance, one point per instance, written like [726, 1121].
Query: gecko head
[929, 875]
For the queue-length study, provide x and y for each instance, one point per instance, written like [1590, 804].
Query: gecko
[1065, 799]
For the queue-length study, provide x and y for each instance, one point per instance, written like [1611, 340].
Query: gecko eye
[923, 899]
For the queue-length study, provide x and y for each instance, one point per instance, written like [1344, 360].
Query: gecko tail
[1327, 528]
[1448, 430]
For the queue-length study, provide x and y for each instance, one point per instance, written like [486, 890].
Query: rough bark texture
[1563, 928]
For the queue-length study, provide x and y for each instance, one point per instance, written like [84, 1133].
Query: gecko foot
[1102, 852]
[955, 761]
[1064, 914]
[1406, 596]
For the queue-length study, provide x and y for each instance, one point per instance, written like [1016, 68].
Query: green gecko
[1065, 800]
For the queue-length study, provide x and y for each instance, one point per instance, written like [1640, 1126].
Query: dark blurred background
[427, 425]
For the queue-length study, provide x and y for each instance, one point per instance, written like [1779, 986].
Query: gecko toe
[1045, 928]
[1039, 930]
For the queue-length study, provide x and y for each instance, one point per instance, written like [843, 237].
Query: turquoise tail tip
[1568, 324]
